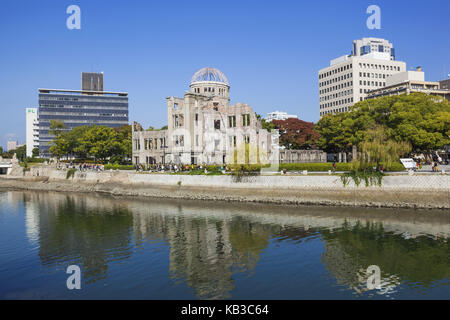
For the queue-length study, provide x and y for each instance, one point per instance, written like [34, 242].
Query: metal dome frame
[209, 75]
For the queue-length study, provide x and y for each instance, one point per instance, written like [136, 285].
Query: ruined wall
[302, 156]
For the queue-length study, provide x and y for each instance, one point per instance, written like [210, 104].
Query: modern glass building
[79, 108]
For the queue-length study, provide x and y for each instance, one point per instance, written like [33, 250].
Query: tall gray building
[91, 81]
[79, 108]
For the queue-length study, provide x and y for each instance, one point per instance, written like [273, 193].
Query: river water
[134, 248]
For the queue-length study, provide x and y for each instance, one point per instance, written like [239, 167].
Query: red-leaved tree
[297, 134]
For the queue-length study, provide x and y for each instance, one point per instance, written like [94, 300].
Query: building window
[232, 121]
[232, 141]
[217, 124]
[246, 120]
[178, 141]
[178, 120]
[137, 144]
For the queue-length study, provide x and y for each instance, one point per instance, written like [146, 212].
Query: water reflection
[212, 243]
[420, 260]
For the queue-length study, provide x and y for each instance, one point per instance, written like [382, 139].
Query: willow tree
[378, 148]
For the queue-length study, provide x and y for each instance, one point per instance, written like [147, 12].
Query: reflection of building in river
[78, 230]
[211, 243]
[206, 252]
[32, 221]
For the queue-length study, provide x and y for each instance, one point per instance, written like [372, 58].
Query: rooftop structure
[408, 82]
[91, 81]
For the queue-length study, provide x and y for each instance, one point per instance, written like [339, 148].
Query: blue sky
[270, 51]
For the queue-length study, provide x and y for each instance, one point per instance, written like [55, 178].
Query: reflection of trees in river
[210, 243]
[72, 232]
[351, 249]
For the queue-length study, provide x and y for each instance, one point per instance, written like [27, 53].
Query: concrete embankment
[416, 191]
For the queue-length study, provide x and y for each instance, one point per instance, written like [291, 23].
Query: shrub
[371, 178]
[312, 166]
[37, 160]
[118, 167]
[78, 161]
[71, 173]
[324, 167]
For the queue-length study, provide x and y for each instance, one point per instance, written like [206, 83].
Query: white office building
[279, 115]
[349, 78]
[12, 145]
[32, 130]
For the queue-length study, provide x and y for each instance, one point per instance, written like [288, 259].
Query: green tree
[268, 125]
[380, 149]
[21, 153]
[57, 127]
[125, 139]
[35, 152]
[336, 133]
[59, 145]
[99, 142]
[420, 119]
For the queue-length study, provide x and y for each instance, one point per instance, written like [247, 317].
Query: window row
[336, 103]
[334, 80]
[372, 83]
[374, 75]
[334, 111]
[336, 87]
[150, 144]
[336, 95]
[221, 91]
[335, 71]
[378, 66]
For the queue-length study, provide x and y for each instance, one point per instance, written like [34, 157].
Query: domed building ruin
[204, 128]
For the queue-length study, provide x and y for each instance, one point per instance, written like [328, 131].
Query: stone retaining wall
[421, 191]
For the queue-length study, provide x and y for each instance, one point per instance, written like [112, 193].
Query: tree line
[418, 119]
[99, 142]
